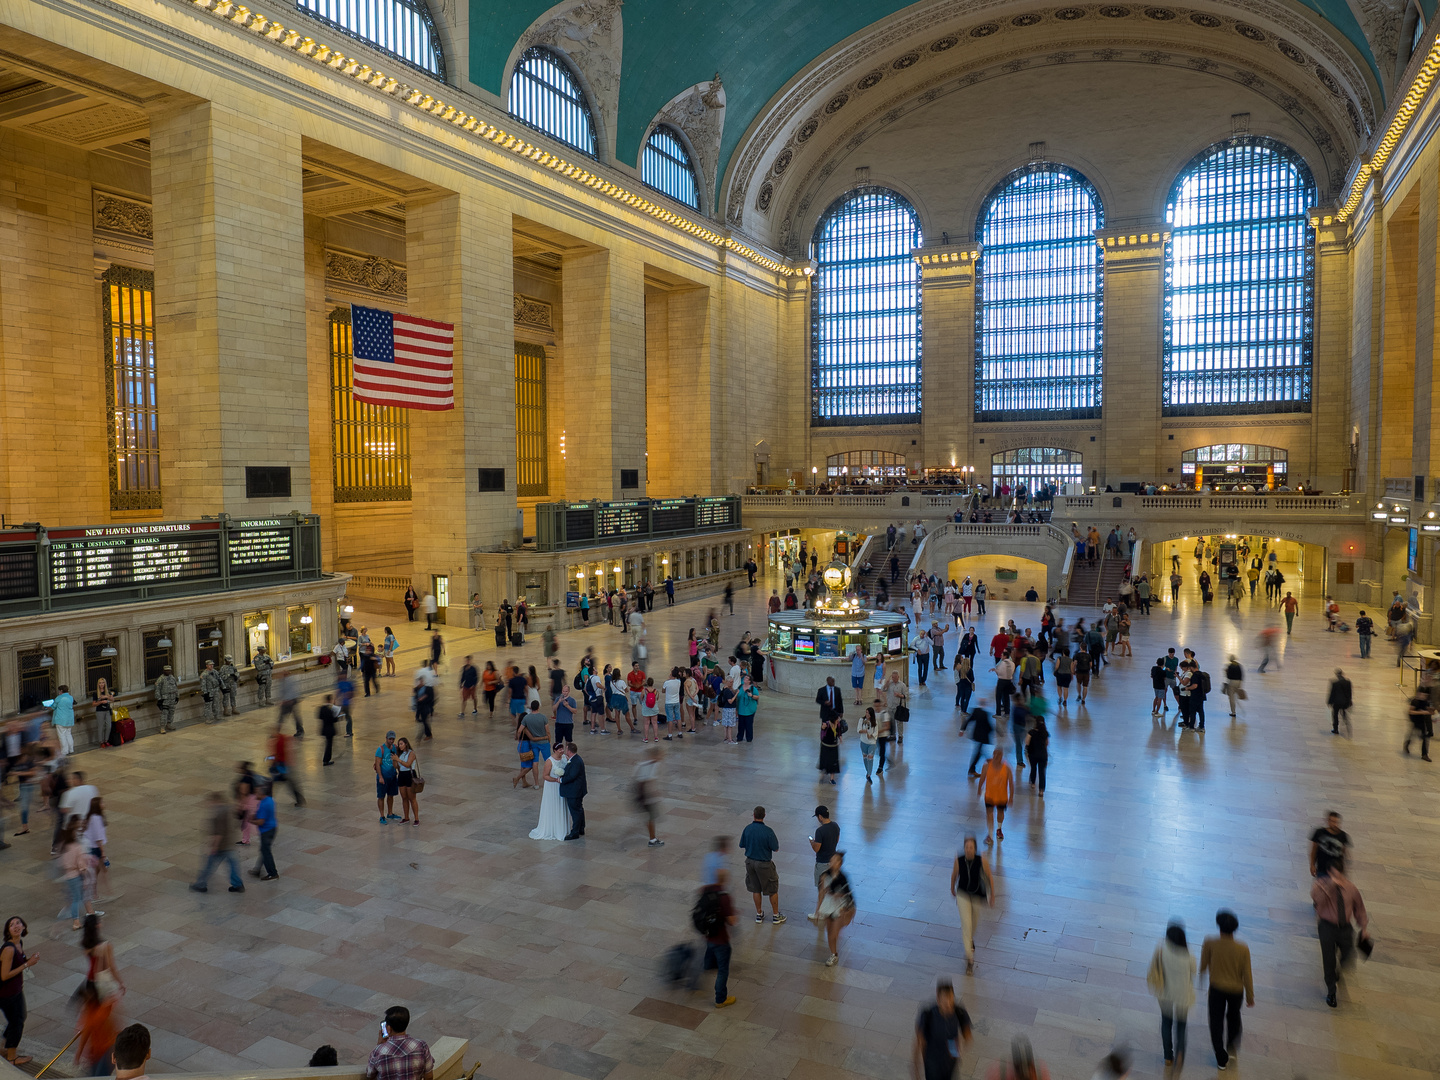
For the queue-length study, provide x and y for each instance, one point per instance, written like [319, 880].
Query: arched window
[544, 94]
[1227, 464]
[864, 464]
[1037, 465]
[865, 312]
[1037, 297]
[402, 28]
[666, 167]
[1239, 282]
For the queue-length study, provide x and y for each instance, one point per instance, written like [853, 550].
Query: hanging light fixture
[109, 651]
[349, 609]
[164, 643]
[46, 660]
[306, 620]
[262, 626]
[216, 634]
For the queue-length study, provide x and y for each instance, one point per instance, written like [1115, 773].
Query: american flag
[402, 361]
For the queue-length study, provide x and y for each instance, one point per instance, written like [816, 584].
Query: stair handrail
[1067, 568]
[1100, 571]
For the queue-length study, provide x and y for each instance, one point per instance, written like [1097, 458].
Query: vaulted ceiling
[759, 46]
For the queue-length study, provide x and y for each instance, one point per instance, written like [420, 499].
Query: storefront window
[534, 586]
[300, 621]
[257, 633]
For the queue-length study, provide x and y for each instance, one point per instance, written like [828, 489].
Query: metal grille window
[100, 656]
[37, 678]
[130, 390]
[1038, 344]
[1037, 465]
[371, 443]
[402, 28]
[865, 312]
[1239, 282]
[545, 95]
[159, 648]
[666, 167]
[532, 474]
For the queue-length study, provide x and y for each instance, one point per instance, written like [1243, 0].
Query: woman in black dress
[829, 749]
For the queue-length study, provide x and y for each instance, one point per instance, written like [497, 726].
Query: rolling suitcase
[517, 638]
[123, 728]
[678, 961]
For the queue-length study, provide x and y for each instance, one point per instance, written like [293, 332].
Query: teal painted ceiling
[757, 46]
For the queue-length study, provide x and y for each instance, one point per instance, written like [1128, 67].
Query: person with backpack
[712, 917]
[1199, 691]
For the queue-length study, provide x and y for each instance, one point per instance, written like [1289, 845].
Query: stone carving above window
[590, 34]
[369, 275]
[536, 314]
[123, 218]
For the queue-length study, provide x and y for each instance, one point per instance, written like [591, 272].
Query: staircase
[880, 558]
[1092, 582]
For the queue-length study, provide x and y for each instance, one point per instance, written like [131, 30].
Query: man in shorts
[635, 690]
[997, 788]
[760, 843]
[387, 779]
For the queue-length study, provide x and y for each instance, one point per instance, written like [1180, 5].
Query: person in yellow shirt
[997, 788]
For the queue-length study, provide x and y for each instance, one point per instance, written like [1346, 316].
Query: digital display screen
[712, 513]
[1413, 551]
[622, 519]
[896, 643]
[123, 561]
[805, 646]
[256, 551]
[579, 524]
[672, 515]
[829, 645]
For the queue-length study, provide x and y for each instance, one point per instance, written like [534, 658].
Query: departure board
[259, 551]
[715, 513]
[579, 523]
[19, 574]
[622, 519]
[118, 562]
[672, 515]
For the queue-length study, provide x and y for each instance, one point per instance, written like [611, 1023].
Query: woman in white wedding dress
[554, 814]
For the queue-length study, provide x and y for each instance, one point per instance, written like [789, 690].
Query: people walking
[997, 789]
[970, 884]
[219, 844]
[1422, 717]
[1228, 963]
[760, 843]
[267, 823]
[469, 684]
[1171, 979]
[940, 1031]
[824, 841]
[1234, 685]
[978, 720]
[1327, 846]
[713, 916]
[1337, 902]
[1340, 699]
[837, 904]
[1037, 743]
[647, 790]
[868, 730]
[1364, 631]
[326, 714]
[62, 718]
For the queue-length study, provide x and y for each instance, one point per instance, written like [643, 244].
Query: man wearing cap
[167, 696]
[824, 841]
[210, 690]
[264, 665]
[229, 684]
[387, 779]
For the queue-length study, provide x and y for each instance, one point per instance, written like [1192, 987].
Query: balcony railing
[903, 506]
[1399, 487]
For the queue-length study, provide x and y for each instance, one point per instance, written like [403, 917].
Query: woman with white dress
[554, 814]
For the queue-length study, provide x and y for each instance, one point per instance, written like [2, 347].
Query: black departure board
[579, 523]
[622, 519]
[119, 562]
[259, 551]
[672, 515]
[714, 513]
[19, 574]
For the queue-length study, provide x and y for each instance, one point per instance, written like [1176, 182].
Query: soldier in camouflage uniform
[263, 667]
[167, 696]
[211, 687]
[229, 684]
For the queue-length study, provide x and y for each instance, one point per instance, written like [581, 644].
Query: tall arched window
[402, 28]
[1037, 465]
[665, 165]
[1037, 297]
[1239, 282]
[544, 94]
[865, 312]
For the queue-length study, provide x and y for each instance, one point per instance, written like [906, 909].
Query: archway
[1008, 577]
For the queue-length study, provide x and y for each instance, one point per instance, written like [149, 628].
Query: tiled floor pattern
[546, 954]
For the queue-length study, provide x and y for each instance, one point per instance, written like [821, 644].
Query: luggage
[678, 961]
[517, 638]
[122, 727]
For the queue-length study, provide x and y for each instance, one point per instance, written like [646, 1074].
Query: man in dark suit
[830, 700]
[573, 790]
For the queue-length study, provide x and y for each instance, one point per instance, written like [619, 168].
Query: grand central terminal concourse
[851, 539]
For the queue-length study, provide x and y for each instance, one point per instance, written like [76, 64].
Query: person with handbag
[14, 966]
[1234, 687]
[407, 766]
[1337, 901]
[100, 960]
[837, 904]
[897, 697]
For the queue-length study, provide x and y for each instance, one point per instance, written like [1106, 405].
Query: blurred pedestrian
[1228, 963]
[970, 883]
[1171, 979]
[1337, 901]
[1340, 699]
[940, 1030]
[219, 844]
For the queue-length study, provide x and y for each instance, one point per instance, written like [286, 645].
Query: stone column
[947, 388]
[604, 303]
[1133, 446]
[460, 258]
[1330, 435]
[230, 309]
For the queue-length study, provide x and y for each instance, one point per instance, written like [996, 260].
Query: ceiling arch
[761, 50]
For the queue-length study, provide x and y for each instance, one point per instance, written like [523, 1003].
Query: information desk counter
[805, 650]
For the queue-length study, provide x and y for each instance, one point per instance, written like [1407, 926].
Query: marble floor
[546, 955]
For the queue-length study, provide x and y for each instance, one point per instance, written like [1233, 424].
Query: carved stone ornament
[366, 273]
[1381, 21]
[699, 113]
[591, 35]
[536, 314]
[124, 217]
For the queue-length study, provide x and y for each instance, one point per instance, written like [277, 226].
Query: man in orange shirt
[997, 788]
[1290, 605]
